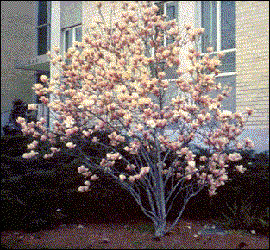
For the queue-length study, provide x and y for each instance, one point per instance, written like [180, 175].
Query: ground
[130, 235]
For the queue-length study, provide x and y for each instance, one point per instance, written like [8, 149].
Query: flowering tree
[115, 80]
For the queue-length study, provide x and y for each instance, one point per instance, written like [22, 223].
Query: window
[43, 27]
[42, 110]
[218, 20]
[170, 9]
[70, 35]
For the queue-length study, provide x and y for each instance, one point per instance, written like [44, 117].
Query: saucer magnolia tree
[115, 80]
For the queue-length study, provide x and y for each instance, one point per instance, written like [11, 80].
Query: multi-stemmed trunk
[151, 194]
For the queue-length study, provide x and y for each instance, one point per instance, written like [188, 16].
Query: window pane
[227, 25]
[49, 37]
[171, 72]
[68, 39]
[171, 11]
[42, 12]
[229, 102]
[228, 62]
[78, 34]
[42, 40]
[209, 23]
[160, 5]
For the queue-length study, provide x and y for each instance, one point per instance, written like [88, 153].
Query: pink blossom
[82, 169]
[55, 150]
[43, 138]
[144, 170]
[130, 167]
[95, 139]
[87, 183]
[42, 120]
[29, 155]
[20, 120]
[137, 176]
[235, 157]
[131, 179]
[239, 145]
[240, 168]
[113, 157]
[70, 145]
[203, 158]
[226, 114]
[44, 78]
[223, 177]
[249, 143]
[32, 106]
[188, 177]
[122, 177]
[94, 177]
[32, 145]
[47, 156]
[83, 188]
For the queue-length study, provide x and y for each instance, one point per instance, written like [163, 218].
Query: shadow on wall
[4, 120]
[8, 119]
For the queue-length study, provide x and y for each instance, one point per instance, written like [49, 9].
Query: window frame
[173, 80]
[47, 24]
[73, 39]
[199, 24]
[165, 3]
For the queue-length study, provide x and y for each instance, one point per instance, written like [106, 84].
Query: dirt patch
[130, 235]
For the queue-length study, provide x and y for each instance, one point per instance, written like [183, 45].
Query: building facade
[18, 43]
[239, 29]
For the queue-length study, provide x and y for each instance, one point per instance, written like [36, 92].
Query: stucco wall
[17, 43]
[71, 13]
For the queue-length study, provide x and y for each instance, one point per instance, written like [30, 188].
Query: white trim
[218, 49]
[55, 42]
[165, 3]
[175, 4]
[218, 25]
[47, 24]
[226, 74]
[73, 35]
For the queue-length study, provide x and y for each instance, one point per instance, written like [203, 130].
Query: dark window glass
[42, 12]
[78, 32]
[209, 23]
[227, 25]
[160, 5]
[68, 39]
[171, 72]
[170, 12]
[42, 40]
[49, 37]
